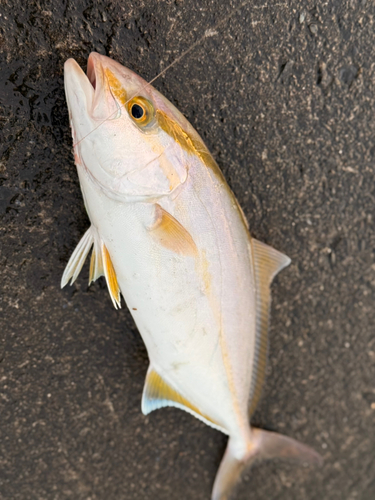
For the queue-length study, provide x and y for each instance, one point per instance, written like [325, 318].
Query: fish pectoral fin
[262, 445]
[267, 263]
[157, 393]
[78, 257]
[110, 276]
[171, 234]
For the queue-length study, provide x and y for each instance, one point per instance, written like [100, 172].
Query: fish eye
[141, 111]
[137, 111]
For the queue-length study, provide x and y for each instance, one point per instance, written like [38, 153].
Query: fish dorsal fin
[100, 264]
[171, 234]
[267, 263]
[78, 257]
[157, 393]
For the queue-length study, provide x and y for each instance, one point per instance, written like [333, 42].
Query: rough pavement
[284, 96]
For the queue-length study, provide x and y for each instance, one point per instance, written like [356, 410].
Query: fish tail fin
[262, 445]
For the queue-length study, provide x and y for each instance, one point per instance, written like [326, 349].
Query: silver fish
[169, 235]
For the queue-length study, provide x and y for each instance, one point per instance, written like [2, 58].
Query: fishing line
[208, 33]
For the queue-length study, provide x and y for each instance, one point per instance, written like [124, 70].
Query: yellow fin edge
[111, 278]
[158, 393]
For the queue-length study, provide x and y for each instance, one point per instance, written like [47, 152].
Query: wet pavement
[284, 96]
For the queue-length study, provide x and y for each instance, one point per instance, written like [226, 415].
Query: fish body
[169, 235]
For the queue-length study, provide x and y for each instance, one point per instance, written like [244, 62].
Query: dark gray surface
[284, 96]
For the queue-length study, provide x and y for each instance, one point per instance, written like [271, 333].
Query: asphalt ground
[284, 96]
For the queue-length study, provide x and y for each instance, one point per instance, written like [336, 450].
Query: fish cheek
[160, 175]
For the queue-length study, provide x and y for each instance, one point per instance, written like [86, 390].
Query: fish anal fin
[157, 393]
[267, 263]
[171, 234]
[78, 257]
[110, 276]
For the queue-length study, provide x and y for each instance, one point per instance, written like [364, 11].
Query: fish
[168, 234]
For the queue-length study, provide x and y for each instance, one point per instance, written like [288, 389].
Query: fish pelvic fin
[100, 264]
[78, 257]
[158, 393]
[96, 263]
[111, 278]
[267, 263]
[263, 445]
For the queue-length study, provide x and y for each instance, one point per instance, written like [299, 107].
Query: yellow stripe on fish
[116, 87]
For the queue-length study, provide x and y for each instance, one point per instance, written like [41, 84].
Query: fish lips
[79, 95]
[88, 96]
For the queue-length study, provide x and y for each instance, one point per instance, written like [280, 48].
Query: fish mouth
[88, 94]
[91, 70]
[95, 72]
[95, 75]
[79, 90]
[92, 84]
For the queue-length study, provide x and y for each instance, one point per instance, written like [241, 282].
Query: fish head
[127, 136]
